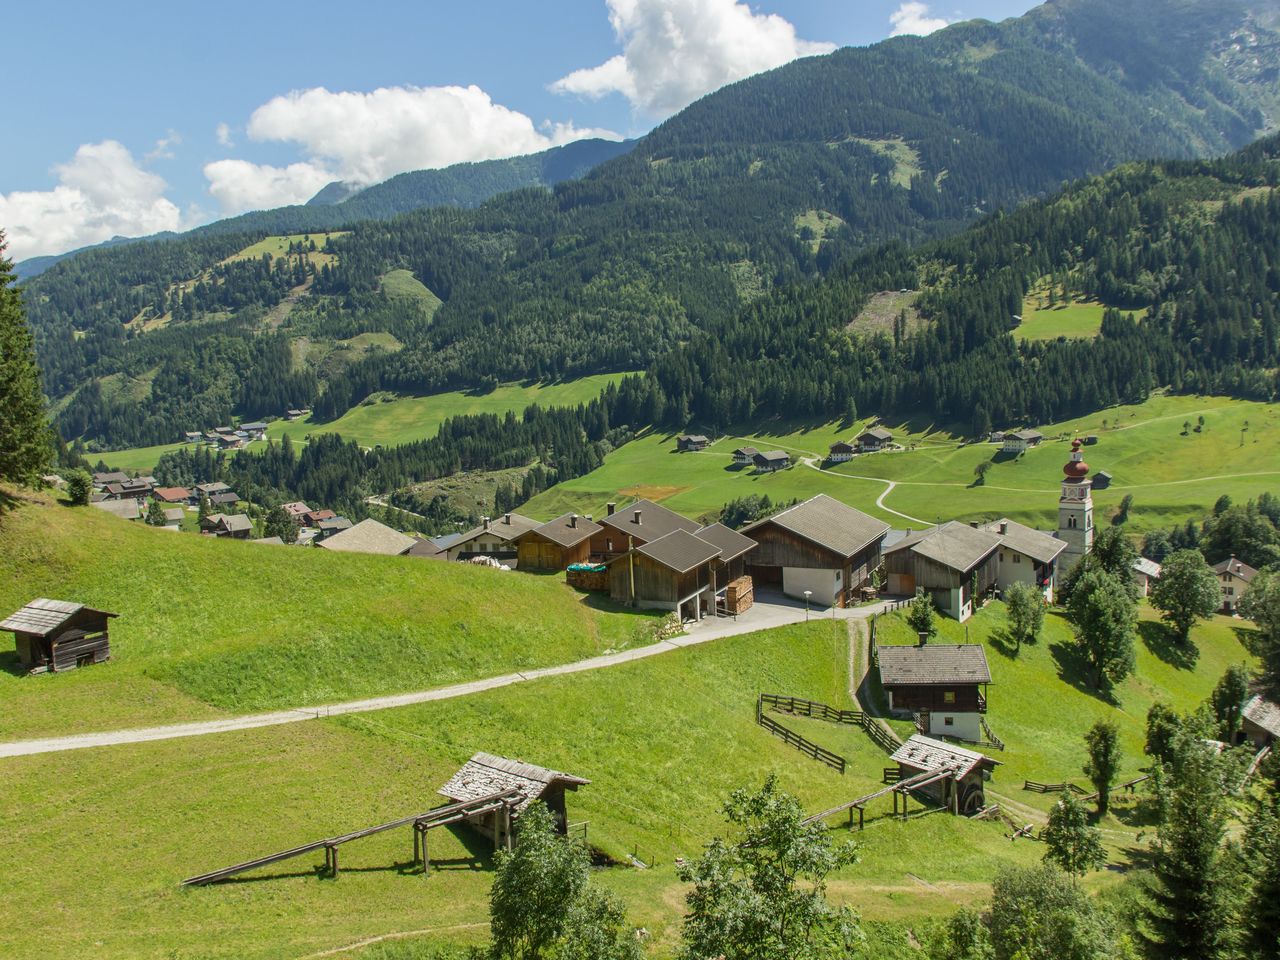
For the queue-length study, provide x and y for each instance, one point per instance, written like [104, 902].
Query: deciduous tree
[1102, 613]
[1074, 844]
[1185, 592]
[1103, 743]
[1026, 612]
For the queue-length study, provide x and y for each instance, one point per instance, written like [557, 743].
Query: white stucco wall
[964, 726]
[825, 584]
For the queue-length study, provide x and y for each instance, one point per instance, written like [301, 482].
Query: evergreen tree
[205, 509]
[1261, 604]
[155, 514]
[1102, 741]
[1102, 613]
[278, 523]
[1073, 843]
[26, 440]
[79, 487]
[1261, 854]
[1026, 612]
[921, 617]
[1186, 591]
[1228, 699]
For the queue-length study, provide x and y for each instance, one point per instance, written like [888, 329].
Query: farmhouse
[171, 494]
[959, 773]
[1260, 722]
[675, 572]
[192, 436]
[313, 518]
[942, 685]
[642, 522]
[234, 525]
[54, 635]
[209, 489]
[137, 489]
[821, 547]
[485, 774]
[493, 538]
[124, 509]
[297, 511]
[173, 517]
[100, 480]
[745, 456]
[1235, 577]
[556, 544]
[369, 536]
[255, 430]
[876, 438]
[227, 498]
[1022, 441]
[696, 441]
[1145, 574]
[1026, 556]
[954, 563]
[771, 460]
[842, 452]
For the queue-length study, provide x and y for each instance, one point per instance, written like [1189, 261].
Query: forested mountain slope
[765, 184]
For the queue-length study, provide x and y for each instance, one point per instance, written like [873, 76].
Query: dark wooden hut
[958, 774]
[943, 684]
[54, 635]
[675, 572]
[485, 774]
[642, 522]
[557, 543]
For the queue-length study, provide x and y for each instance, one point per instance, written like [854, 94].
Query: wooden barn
[734, 591]
[876, 438]
[675, 572]
[687, 442]
[1260, 722]
[557, 543]
[954, 563]
[944, 685]
[820, 546]
[642, 522]
[958, 774]
[485, 774]
[54, 635]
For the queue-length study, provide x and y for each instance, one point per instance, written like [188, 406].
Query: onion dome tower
[1075, 510]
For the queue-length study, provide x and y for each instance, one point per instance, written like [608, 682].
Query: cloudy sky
[131, 118]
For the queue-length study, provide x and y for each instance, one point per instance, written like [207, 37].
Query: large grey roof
[370, 536]
[954, 545]
[506, 527]
[1258, 710]
[561, 532]
[486, 774]
[43, 616]
[926, 753]
[655, 521]
[876, 433]
[125, 509]
[732, 544]
[933, 664]
[1031, 543]
[680, 551]
[235, 521]
[828, 523]
[1236, 568]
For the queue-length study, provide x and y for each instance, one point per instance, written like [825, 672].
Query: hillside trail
[890, 485]
[767, 617]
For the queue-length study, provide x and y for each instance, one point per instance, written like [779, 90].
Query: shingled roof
[1258, 711]
[934, 664]
[927, 754]
[655, 521]
[43, 616]
[680, 551]
[566, 531]
[1041, 547]
[732, 544]
[369, 536]
[506, 528]
[954, 545]
[1236, 568]
[485, 774]
[828, 523]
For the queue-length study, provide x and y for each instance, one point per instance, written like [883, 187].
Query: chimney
[486, 522]
[637, 518]
[924, 639]
[589, 518]
[1004, 527]
[573, 520]
[611, 507]
[506, 518]
[974, 524]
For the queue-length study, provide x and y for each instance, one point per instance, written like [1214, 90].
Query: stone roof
[369, 536]
[655, 521]
[43, 616]
[1257, 710]
[771, 456]
[567, 531]
[506, 528]
[1042, 547]
[925, 753]
[934, 664]
[828, 523]
[732, 544]
[680, 551]
[956, 546]
[485, 774]
[1236, 568]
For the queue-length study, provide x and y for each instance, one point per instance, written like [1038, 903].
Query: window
[1017, 558]
[948, 721]
[1231, 591]
[608, 546]
[949, 696]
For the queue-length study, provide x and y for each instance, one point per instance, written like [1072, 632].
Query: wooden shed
[675, 572]
[953, 563]
[557, 543]
[486, 774]
[734, 590]
[54, 635]
[642, 522]
[1260, 722]
[958, 774]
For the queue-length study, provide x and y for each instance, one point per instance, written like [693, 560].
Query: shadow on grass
[1074, 669]
[10, 664]
[1002, 641]
[1250, 638]
[1163, 642]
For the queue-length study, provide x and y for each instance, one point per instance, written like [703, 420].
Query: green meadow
[1077, 320]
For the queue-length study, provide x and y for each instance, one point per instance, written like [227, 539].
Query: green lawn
[208, 626]
[1170, 476]
[1079, 320]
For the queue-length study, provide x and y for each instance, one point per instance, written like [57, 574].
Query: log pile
[739, 596]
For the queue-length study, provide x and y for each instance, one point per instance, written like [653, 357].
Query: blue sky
[130, 118]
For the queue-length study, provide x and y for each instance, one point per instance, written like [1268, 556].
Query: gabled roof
[335, 523]
[828, 523]
[315, 516]
[1148, 568]
[926, 753]
[274, 541]
[693, 438]
[680, 551]
[771, 456]
[747, 452]
[956, 546]
[1257, 710]
[370, 536]
[125, 509]
[256, 425]
[843, 446]
[876, 433]
[171, 493]
[934, 664]
[112, 476]
[234, 522]
[296, 509]
[227, 496]
[446, 541]
[506, 528]
[42, 617]
[422, 547]
[1027, 435]
[174, 513]
[1041, 547]
[732, 544]
[1236, 568]
[210, 488]
[567, 531]
[486, 774]
[655, 521]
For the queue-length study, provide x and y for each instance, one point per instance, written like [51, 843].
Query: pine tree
[1262, 862]
[920, 616]
[26, 439]
[155, 514]
[1228, 699]
[79, 487]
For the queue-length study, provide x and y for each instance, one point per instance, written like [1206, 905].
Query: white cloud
[675, 51]
[223, 133]
[368, 137]
[101, 193]
[163, 150]
[913, 18]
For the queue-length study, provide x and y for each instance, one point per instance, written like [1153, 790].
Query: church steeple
[1075, 509]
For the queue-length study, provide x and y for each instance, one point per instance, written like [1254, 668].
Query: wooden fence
[810, 708]
[1036, 787]
[821, 754]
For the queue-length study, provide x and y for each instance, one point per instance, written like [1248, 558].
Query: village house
[942, 685]
[331, 526]
[138, 488]
[209, 489]
[100, 480]
[1260, 722]
[54, 635]
[292, 415]
[173, 517]
[255, 430]
[876, 438]
[953, 563]
[369, 536]
[227, 498]
[235, 526]
[297, 511]
[1145, 574]
[820, 548]
[958, 774]
[674, 572]
[842, 451]
[692, 442]
[1026, 556]
[745, 456]
[485, 775]
[1021, 441]
[124, 509]
[557, 543]
[996, 436]
[1234, 578]
[313, 518]
[771, 460]
[172, 494]
[642, 522]
[493, 538]
[192, 436]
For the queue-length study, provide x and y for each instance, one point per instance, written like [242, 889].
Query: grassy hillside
[211, 625]
[1170, 476]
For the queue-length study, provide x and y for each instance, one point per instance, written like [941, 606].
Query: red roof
[171, 494]
[315, 516]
